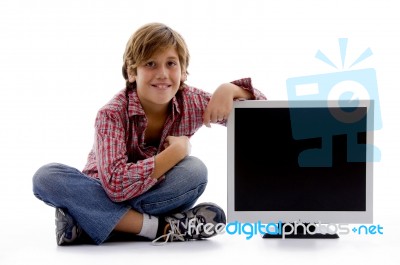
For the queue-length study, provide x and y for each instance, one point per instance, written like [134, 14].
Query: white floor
[31, 241]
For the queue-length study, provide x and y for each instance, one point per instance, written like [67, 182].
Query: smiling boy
[139, 177]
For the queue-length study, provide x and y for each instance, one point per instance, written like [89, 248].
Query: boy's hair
[147, 40]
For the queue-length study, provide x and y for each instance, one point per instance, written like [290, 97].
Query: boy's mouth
[161, 86]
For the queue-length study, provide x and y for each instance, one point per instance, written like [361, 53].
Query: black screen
[268, 176]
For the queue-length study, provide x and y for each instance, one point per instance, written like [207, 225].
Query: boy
[139, 177]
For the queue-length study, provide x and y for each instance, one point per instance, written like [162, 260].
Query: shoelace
[175, 234]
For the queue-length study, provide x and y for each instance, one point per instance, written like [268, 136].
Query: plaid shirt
[120, 158]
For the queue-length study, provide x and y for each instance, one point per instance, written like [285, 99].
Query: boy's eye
[150, 64]
[172, 63]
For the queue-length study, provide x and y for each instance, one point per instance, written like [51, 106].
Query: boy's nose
[162, 72]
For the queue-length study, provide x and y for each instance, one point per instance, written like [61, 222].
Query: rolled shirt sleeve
[246, 84]
[122, 180]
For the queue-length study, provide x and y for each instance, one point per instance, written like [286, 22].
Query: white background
[60, 61]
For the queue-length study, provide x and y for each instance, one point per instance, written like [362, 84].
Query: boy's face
[158, 79]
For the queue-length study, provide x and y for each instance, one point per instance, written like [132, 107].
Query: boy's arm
[221, 102]
[176, 149]
[123, 180]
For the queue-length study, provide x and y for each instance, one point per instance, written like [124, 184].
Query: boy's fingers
[212, 118]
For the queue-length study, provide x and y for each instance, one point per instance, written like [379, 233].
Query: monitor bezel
[337, 217]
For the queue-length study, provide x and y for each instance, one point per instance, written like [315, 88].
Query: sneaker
[67, 230]
[203, 221]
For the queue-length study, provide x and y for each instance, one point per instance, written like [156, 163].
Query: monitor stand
[300, 231]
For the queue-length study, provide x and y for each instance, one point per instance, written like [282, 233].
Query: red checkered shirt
[120, 159]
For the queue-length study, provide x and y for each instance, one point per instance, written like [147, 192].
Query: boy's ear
[131, 78]
[183, 77]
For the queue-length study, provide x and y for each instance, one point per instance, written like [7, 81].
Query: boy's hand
[182, 144]
[221, 102]
[176, 149]
[220, 105]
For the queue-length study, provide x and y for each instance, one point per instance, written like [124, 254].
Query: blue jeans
[65, 187]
